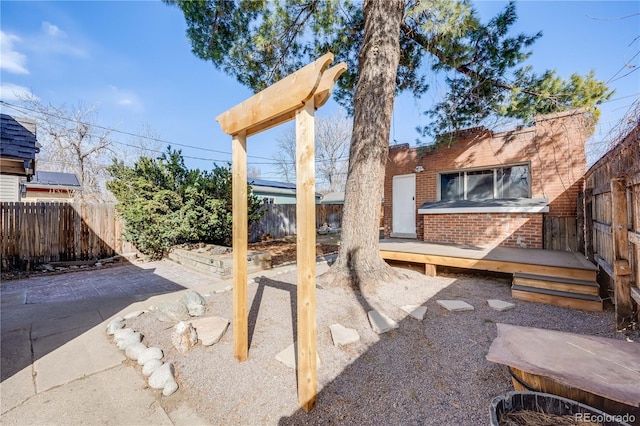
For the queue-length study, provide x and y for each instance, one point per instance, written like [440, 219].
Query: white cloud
[12, 92]
[52, 30]
[10, 59]
[125, 98]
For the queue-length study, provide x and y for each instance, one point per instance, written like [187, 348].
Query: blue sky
[133, 60]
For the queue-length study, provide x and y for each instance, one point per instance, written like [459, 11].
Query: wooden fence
[279, 220]
[612, 224]
[36, 233]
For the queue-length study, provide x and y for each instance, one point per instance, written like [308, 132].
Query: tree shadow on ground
[43, 313]
[434, 371]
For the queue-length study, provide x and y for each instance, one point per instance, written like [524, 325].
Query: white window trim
[523, 209]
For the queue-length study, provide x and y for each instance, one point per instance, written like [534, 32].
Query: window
[268, 200]
[485, 184]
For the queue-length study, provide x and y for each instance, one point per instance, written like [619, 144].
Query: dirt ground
[284, 250]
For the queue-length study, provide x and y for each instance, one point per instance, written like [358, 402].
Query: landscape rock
[115, 324]
[342, 335]
[455, 305]
[195, 303]
[129, 340]
[415, 311]
[151, 366]
[170, 387]
[172, 312]
[184, 337]
[148, 354]
[122, 333]
[289, 355]
[210, 329]
[161, 376]
[134, 314]
[380, 323]
[500, 305]
[134, 350]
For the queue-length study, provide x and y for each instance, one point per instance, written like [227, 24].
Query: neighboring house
[488, 189]
[333, 198]
[272, 192]
[18, 149]
[51, 187]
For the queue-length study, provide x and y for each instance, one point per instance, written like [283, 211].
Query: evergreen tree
[390, 46]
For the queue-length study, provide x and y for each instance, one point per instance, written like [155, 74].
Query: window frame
[493, 168]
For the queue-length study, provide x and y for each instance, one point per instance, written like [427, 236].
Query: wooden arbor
[296, 96]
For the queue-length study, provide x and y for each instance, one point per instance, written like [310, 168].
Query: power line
[21, 108]
[111, 129]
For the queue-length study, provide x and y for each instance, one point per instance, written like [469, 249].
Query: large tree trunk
[359, 263]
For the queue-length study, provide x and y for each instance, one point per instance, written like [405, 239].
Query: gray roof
[54, 179]
[17, 138]
[333, 198]
[505, 205]
[271, 184]
[273, 187]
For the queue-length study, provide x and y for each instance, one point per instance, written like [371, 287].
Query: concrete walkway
[58, 365]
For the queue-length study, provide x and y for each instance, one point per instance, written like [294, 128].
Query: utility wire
[111, 129]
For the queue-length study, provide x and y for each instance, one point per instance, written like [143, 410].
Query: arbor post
[240, 242]
[306, 255]
[295, 96]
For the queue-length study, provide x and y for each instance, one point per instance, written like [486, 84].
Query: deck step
[559, 298]
[568, 285]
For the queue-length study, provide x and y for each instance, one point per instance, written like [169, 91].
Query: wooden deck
[548, 276]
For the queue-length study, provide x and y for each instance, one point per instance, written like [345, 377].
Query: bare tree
[285, 157]
[254, 173]
[146, 143]
[333, 135]
[72, 143]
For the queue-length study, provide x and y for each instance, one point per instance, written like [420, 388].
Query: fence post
[588, 224]
[621, 266]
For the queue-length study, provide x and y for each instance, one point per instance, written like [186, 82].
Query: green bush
[163, 203]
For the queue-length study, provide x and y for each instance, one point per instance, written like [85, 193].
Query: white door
[404, 206]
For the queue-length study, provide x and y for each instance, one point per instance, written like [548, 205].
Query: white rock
[151, 366]
[129, 340]
[415, 311]
[170, 387]
[342, 335]
[134, 350]
[122, 333]
[161, 376]
[149, 353]
[210, 329]
[184, 337]
[113, 326]
[134, 314]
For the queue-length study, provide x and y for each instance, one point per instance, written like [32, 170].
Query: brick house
[486, 189]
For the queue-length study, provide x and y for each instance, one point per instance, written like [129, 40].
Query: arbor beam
[277, 102]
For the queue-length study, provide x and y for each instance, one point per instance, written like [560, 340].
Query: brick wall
[523, 230]
[553, 147]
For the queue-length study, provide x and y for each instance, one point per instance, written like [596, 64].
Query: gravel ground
[425, 372]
